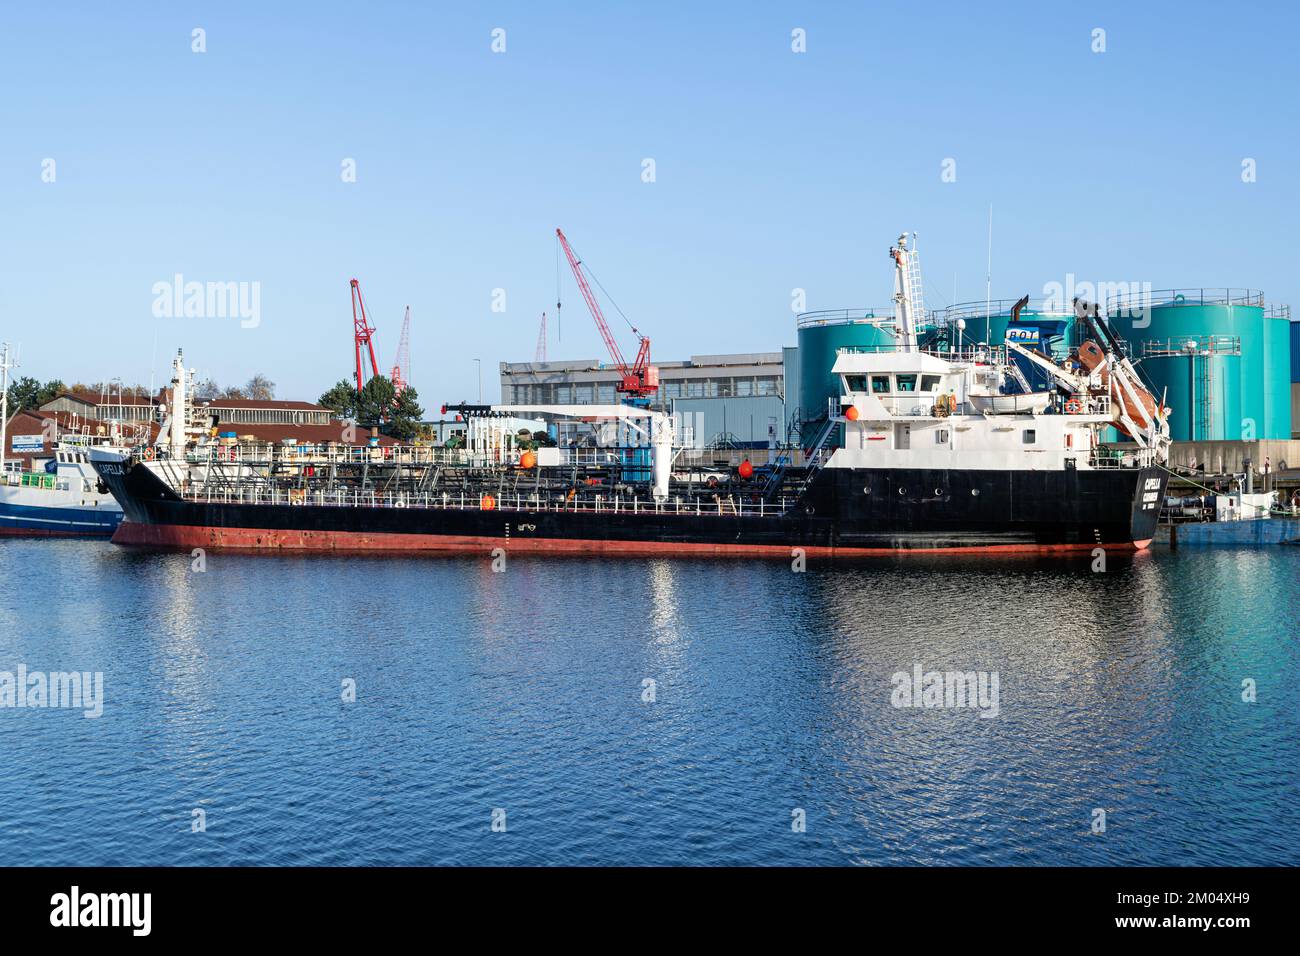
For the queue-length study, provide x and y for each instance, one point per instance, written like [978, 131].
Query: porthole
[902, 491]
[866, 490]
[938, 492]
[975, 491]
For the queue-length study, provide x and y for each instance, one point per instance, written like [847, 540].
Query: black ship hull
[843, 511]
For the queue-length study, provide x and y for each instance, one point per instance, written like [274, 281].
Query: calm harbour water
[523, 691]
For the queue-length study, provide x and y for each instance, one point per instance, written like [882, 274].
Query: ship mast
[910, 308]
[5, 366]
[173, 432]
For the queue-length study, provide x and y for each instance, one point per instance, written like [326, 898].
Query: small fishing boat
[61, 497]
[66, 498]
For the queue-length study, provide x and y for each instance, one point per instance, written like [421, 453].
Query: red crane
[540, 354]
[640, 379]
[402, 364]
[363, 334]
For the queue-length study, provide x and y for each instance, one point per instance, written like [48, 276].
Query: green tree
[397, 416]
[29, 393]
[50, 391]
[404, 420]
[341, 399]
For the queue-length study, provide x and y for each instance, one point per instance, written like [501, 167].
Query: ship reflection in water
[652, 711]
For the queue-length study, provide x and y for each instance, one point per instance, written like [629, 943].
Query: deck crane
[640, 379]
[363, 334]
[402, 363]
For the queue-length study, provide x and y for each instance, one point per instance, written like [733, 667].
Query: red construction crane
[402, 364]
[640, 379]
[540, 354]
[363, 334]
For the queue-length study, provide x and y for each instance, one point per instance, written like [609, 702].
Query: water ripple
[523, 692]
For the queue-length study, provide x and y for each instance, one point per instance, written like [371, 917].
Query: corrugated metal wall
[746, 419]
[1295, 351]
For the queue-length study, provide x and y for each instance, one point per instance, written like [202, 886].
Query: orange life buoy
[487, 503]
[148, 453]
[1073, 407]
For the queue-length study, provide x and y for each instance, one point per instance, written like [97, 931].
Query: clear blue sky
[775, 170]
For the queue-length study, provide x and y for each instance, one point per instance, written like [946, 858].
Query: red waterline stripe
[257, 539]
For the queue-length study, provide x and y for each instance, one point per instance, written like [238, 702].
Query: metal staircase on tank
[1205, 403]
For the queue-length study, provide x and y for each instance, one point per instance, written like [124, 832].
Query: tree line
[27, 393]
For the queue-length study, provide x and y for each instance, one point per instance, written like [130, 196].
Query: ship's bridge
[905, 383]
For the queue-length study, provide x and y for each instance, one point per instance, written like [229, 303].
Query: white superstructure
[971, 407]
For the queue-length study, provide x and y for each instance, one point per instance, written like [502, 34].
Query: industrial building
[725, 400]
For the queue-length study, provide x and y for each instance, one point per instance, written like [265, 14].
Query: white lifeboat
[1032, 403]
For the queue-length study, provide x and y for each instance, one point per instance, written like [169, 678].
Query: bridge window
[880, 384]
[906, 383]
[1029, 436]
[855, 383]
[929, 383]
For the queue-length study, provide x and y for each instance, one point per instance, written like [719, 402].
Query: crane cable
[583, 263]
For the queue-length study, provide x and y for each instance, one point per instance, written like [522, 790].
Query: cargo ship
[933, 447]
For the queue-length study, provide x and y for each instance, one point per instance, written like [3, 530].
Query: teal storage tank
[988, 322]
[1205, 350]
[1277, 373]
[821, 336]
[1202, 391]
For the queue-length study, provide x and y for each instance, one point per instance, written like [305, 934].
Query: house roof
[88, 398]
[260, 403]
[164, 395]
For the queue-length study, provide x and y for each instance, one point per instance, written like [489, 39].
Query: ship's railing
[1192, 345]
[330, 453]
[977, 354]
[747, 505]
[599, 457]
[1106, 457]
[250, 453]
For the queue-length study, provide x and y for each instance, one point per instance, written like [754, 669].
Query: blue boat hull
[64, 522]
